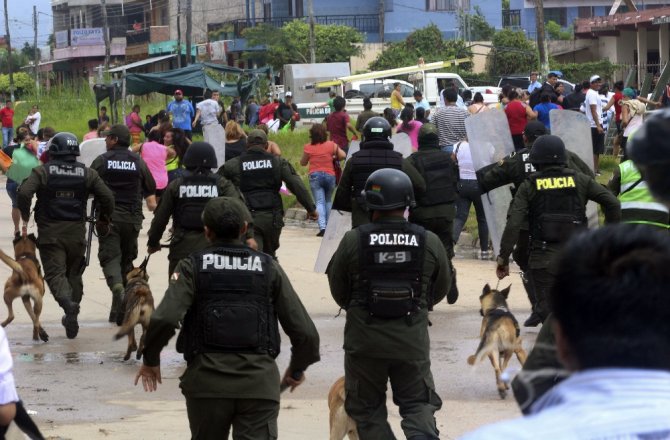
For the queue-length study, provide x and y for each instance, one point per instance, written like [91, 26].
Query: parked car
[522, 82]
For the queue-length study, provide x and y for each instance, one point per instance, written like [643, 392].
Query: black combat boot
[452, 295]
[69, 320]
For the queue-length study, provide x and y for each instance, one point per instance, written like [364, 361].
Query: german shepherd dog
[499, 335]
[138, 304]
[340, 422]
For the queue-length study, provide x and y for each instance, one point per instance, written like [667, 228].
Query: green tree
[556, 32]
[23, 83]
[28, 51]
[18, 60]
[478, 29]
[511, 53]
[290, 43]
[426, 43]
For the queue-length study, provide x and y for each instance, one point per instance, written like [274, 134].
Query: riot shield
[215, 135]
[354, 147]
[490, 141]
[91, 149]
[574, 130]
[402, 144]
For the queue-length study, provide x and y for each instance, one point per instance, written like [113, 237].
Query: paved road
[82, 389]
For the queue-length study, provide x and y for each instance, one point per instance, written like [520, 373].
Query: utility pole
[105, 31]
[178, 34]
[189, 29]
[541, 41]
[382, 12]
[35, 57]
[312, 35]
[9, 55]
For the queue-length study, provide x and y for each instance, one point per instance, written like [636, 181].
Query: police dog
[340, 422]
[26, 282]
[138, 303]
[499, 335]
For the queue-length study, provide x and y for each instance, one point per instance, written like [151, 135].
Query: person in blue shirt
[543, 109]
[182, 112]
[534, 83]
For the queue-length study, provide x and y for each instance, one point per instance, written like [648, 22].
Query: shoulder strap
[632, 187]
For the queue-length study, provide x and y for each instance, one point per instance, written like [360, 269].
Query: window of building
[299, 11]
[559, 15]
[267, 9]
[585, 11]
[447, 5]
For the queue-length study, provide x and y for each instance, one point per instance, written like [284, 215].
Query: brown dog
[499, 335]
[340, 422]
[138, 303]
[26, 282]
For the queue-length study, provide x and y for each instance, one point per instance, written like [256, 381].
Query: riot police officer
[231, 299]
[62, 186]
[259, 176]
[387, 275]
[127, 175]
[435, 208]
[185, 198]
[650, 150]
[514, 169]
[376, 153]
[553, 202]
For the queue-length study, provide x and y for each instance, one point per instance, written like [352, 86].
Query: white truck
[378, 87]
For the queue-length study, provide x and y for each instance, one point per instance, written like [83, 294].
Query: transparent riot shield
[215, 135]
[574, 130]
[490, 141]
[91, 149]
[339, 222]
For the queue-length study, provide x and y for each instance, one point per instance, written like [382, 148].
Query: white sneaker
[485, 255]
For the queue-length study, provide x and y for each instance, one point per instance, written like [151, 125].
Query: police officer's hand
[290, 380]
[151, 377]
[102, 228]
[251, 242]
[153, 249]
[313, 215]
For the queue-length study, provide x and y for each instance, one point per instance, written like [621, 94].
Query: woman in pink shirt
[92, 130]
[155, 155]
[409, 125]
[319, 154]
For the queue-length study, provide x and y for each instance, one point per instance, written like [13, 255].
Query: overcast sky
[21, 21]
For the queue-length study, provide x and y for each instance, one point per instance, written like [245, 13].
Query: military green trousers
[117, 251]
[267, 229]
[63, 260]
[413, 391]
[250, 419]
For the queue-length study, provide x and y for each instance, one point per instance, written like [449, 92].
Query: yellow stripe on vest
[555, 183]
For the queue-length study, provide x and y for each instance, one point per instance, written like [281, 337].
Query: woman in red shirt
[518, 114]
[338, 124]
[319, 154]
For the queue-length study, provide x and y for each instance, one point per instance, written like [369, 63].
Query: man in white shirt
[611, 322]
[33, 120]
[207, 112]
[534, 83]
[593, 108]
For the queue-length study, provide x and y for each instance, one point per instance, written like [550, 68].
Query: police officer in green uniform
[514, 169]
[126, 174]
[62, 186]
[259, 175]
[387, 275]
[435, 208]
[637, 204]
[185, 198]
[376, 153]
[230, 298]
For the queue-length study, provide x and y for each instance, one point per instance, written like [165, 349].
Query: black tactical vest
[391, 265]
[440, 173]
[260, 180]
[121, 173]
[556, 211]
[233, 309]
[373, 156]
[64, 197]
[194, 191]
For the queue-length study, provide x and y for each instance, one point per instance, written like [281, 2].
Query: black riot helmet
[649, 148]
[376, 128]
[388, 189]
[63, 144]
[548, 149]
[200, 155]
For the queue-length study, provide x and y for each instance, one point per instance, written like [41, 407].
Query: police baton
[89, 237]
[296, 375]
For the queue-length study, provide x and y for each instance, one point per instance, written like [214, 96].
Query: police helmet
[428, 136]
[63, 144]
[548, 149]
[200, 155]
[387, 189]
[649, 148]
[376, 128]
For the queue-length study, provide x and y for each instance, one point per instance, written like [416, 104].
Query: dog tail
[131, 319]
[12, 263]
[485, 347]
